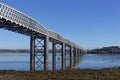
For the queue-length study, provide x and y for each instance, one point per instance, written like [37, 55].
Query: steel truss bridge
[16, 21]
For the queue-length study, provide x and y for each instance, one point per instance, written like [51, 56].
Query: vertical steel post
[32, 54]
[79, 55]
[63, 56]
[46, 51]
[53, 56]
[71, 57]
[76, 56]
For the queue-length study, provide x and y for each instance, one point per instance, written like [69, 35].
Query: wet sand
[85, 74]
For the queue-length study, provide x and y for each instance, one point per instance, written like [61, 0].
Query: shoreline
[80, 74]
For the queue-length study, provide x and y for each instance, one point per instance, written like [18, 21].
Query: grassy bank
[105, 74]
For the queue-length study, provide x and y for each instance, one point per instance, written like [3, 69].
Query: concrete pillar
[53, 56]
[63, 57]
[46, 51]
[32, 54]
[71, 57]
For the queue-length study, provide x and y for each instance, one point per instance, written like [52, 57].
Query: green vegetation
[87, 74]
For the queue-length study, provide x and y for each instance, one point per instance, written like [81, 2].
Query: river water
[20, 61]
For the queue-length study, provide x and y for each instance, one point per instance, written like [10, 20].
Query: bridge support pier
[53, 56]
[79, 55]
[32, 54]
[46, 51]
[39, 53]
[76, 56]
[71, 57]
[63, 57]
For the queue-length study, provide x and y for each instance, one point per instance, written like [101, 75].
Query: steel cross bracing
[58, 56]
[24, 24]
[39, 54]
[67, 56]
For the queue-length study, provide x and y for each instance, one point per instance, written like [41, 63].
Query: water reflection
[100, 61]
[11, 61]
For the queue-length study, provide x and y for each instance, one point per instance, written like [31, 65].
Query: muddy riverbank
[85, 74]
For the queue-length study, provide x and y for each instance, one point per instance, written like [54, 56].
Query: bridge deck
[17, 21]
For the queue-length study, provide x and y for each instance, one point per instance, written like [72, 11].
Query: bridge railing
[20, 18]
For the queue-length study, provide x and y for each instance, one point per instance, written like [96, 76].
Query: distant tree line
[14, 51]
[111, 49]
[25, 50]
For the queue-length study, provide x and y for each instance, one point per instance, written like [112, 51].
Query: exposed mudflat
[85, 74]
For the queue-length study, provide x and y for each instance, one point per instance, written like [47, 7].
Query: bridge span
[16, 21]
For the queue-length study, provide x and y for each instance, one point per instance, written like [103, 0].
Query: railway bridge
[40, 36]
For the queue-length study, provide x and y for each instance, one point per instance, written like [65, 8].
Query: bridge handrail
[20, 18]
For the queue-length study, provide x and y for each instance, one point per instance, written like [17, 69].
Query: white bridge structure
[16, 21]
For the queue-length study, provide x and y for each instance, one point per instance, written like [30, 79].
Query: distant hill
[111, 49]
[14, 51]
[21, 51]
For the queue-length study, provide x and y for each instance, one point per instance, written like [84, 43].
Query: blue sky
[88, 23]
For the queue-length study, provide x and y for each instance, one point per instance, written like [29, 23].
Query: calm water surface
[20, 61]
[100, 61]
